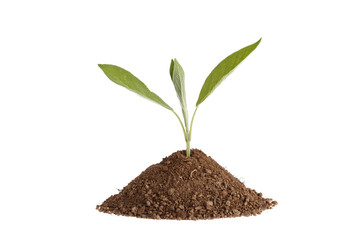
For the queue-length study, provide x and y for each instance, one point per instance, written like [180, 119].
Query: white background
[286, 122]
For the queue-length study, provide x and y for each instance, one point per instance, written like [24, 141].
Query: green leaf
[223, 69]
[124, 78]
[178, 78]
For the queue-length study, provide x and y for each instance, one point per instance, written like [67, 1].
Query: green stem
[182, 125]
[192, 120]
[188, 148]
[187, 133]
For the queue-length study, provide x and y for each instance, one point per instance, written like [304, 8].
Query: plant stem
[192, 120]
[188, 148]
[182, 125]
[187, 133]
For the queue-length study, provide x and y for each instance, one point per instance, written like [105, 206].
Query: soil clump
[186, 188]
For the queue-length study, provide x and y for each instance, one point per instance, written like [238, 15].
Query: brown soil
[192, 188]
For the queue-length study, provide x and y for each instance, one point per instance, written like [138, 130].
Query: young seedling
[124, 78]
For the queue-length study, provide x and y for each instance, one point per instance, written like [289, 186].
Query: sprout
[124, 78]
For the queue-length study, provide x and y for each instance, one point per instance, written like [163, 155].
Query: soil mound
[181, 187]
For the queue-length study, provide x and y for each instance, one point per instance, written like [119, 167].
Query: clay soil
[186, 188]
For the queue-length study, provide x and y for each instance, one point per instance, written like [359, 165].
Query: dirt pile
[192, 188]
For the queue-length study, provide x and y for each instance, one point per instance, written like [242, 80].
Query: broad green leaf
[124, 78]
[178, 78]
[223, 69]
